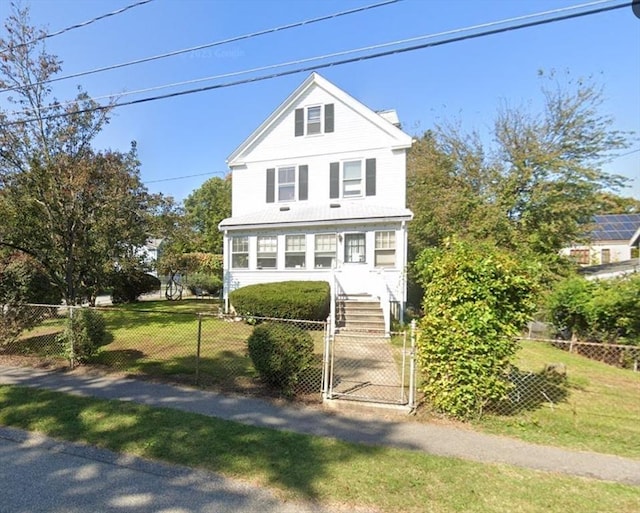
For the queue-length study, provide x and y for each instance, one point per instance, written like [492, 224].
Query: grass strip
[303, 467]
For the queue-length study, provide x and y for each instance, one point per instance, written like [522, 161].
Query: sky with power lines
[185, 140]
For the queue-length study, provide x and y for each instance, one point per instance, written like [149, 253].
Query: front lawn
[302, 467]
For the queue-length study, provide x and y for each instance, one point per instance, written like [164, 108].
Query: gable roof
[403, 140]
[620, 227]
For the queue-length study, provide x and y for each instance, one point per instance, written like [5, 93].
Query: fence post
[72, 340]
[198, 349]
[325, 358]
[412, 367]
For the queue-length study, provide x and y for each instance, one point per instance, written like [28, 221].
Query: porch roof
[335, 213]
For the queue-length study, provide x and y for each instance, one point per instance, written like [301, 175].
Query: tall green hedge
[305, 300]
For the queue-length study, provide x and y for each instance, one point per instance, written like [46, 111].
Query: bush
[128, 286]
[202, 283]
[305, 300]
[280, 353]
[477, 299]
[84, 332]
[597, 311]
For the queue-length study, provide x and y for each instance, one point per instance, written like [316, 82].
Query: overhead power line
[83, 24]
[174, 178]
[352, 60]
[207, 45]
[342, 53]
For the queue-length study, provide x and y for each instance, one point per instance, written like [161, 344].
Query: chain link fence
[202, 349]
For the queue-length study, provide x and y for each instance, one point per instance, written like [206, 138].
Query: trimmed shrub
[202, 283]
[84, 332]
[128, 286]
[305, 300]
[280, 353]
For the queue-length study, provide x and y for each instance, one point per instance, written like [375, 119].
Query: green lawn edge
[309, 468]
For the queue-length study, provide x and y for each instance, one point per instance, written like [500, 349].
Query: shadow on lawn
[531, 390]
[287, 460]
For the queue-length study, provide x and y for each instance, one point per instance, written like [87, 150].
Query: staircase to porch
[359, 312]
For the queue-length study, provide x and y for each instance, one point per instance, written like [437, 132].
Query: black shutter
[271, 185]
[334, 180]
[328, 117]
[370, 177]
[299, 122]
[303, 183]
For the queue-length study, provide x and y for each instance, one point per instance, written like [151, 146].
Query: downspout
[226, 268]
[404, 271]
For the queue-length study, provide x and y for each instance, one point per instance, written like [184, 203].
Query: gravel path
[368, 429]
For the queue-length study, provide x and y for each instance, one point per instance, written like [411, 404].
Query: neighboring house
[614, 238]
[318, 193]
[150, 253]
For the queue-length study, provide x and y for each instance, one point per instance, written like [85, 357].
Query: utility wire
[83, 24]
[186, 176]
[334, 63]
[208, 45]
[339, 54]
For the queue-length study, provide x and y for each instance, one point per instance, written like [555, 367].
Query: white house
[319, 194]
[614, 238]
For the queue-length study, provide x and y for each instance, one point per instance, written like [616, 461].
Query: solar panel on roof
[615, 226]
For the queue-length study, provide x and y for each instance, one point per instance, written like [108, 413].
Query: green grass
[301, 467]
[601, 411]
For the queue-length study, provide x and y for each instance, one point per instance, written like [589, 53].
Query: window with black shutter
[370, 177]
[334, 180]
[303, 183]
[271, 185]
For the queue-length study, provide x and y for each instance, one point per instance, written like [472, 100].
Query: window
[313, 120]
[354, 248]
[267, 252]
[385, 249]
[287, 183]
[579, 256]
[605, 256]
[294, 251]
[325, 251]
[352, 179]
[240, 252]
[282, 186]
[314, 123]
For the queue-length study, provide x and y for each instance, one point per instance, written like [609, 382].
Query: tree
[477, 299]
[536, 187]
[79, 212]
[608, 203]
[204, 209]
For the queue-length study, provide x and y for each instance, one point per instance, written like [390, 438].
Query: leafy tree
[609, 203]
[78, 211]
[477, 299]
[536, 187]
[204, 209]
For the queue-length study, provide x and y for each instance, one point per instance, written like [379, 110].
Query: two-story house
[318, 193]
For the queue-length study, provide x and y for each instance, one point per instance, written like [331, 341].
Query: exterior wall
[618, 252]
[351, 278]
[353, 138]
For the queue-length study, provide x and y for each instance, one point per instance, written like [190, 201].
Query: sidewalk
[428, 438]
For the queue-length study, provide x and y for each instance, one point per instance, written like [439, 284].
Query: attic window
[314, 120]
[314, 123]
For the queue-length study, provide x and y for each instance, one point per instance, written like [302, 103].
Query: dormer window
[314, 120]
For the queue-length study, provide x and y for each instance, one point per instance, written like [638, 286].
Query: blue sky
[463, 81]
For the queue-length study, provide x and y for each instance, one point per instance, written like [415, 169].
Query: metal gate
[369, 367]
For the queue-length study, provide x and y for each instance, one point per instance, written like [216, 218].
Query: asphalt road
[39, 474]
